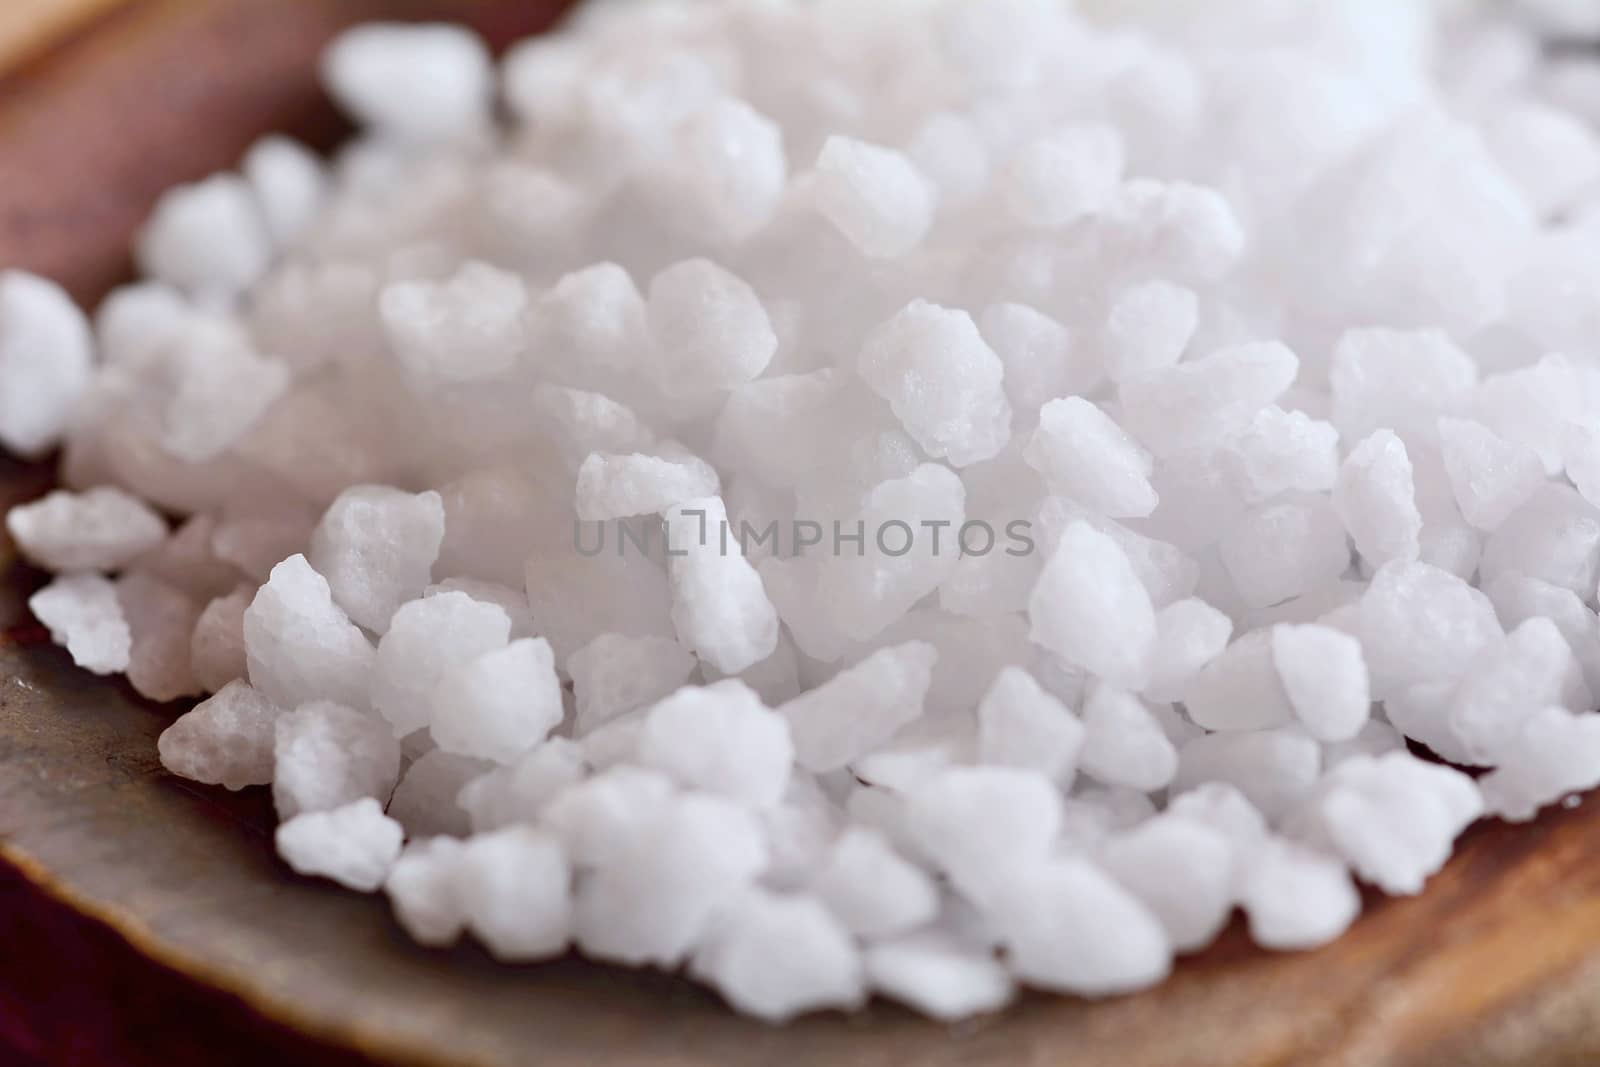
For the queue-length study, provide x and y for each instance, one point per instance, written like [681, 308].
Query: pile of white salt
[909, 498]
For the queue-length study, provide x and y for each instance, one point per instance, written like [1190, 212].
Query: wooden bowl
[144, 919]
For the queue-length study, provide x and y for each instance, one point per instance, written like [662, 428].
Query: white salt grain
[227, 740]
[500, 704]
[861, 707]
[776, 956]
[1090, 608]
[84, 615]
[1022, 725]
[873, 890]
[100, 529]
[46, 361]
[874, 195]
[376, 547]
[1085, 455]
[722, 739]
[1325, 676]
[413, 82]
[326, 755]
[941, 380]
[355, 845]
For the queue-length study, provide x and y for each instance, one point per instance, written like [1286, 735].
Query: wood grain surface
[145, 920]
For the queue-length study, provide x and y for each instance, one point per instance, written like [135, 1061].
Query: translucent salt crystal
[776, 956]
[576, 598]
[355, 845]
[1421, 624]
[1397, 379]
[1189, 634]
[1042, 358]
[861, 707]
[776, 679]
[425, 800]
[46, 361]
[225, 388]
[719, 608]
[255, 543]
[1273, 768]
[1325, 676]
[187, 561]
[1552, 155]
[514, 888]
[1123, 744]
[875, 196]
[1022, 725]
[592, 316]
[722, 739]
[1285, 548]
[466, 328]
[1553, 754]
[209, 239]
[290, 183]
[1192, 909]
[873, 890]
[1239, 689]
[160, 619]
[423, 888]
[1199, 402]
[1281, 452]
[982, 826]
[326, 755]
[518, 792]
[1068, 927]
[226, 740]
[938, 976]
[665, 880]
[1085, 455]
[1090, 608]
[1149, 326]
[1491, 477]
[1529, 669]
[1518, 598]
[941, 380]
[84, 616]
[949, 151]
[727, 172]
[425, 82]
[617, 486]
[615, 674]
[614, 744]
[1184, 231]
[425, 640]
[300, 646]
[1581, 459]
[710, 329]
[376, 546]
[1554, 536]
[499, 704]
[1296, 898]
[100, 529]
[1063, 175]
[908, 546]
[1375, 497]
